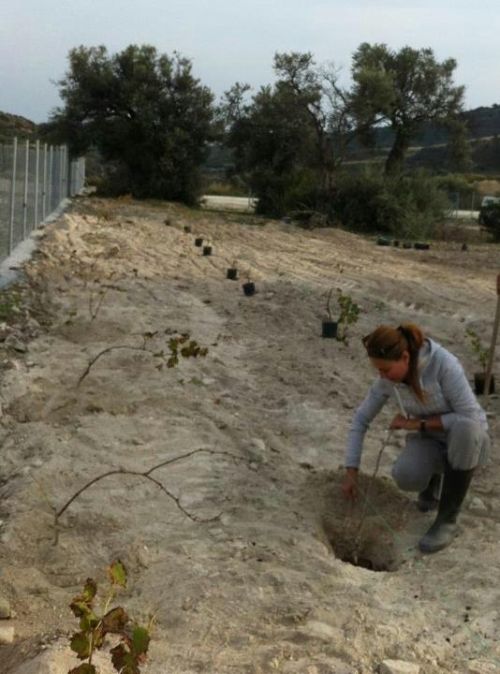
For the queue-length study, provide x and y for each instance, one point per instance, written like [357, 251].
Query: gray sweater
[448, 394]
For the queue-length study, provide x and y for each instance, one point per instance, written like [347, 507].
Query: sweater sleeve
[364, 415]
[457, 391]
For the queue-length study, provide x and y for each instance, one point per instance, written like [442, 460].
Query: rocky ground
[242, 549]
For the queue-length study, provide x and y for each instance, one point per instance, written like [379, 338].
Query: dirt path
[257, 589]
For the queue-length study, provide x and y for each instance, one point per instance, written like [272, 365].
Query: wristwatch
[423, 425]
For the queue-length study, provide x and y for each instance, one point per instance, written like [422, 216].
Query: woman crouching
[448, 435]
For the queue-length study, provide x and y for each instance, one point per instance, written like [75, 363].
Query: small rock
[320, 630]
[5, 611]
[14, 343]
[112, 251]
[478, 506]
[37, 462]
[6, 634]
[399, 667]
[259, 444]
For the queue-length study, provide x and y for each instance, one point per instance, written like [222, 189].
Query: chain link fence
[34, 179]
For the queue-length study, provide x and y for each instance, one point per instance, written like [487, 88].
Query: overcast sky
[235, 40]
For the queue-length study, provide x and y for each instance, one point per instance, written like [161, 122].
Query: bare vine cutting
[146, 475]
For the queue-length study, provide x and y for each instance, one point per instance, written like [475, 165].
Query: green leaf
[173, 344]
[88, 621]
[80, 644]
[140, 640]
[84, 668]
[115, 620]
[118, 573]
[82, 603]
[80, 608]
[123, 661]
[89, 589]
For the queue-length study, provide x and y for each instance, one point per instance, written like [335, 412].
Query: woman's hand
[350, 484]
[399, 423]
[404, 423]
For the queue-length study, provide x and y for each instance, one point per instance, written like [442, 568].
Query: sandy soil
[244, 572]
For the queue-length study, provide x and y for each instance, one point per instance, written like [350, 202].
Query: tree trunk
[395, 160]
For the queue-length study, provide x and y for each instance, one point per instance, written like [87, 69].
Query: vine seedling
[482, 355]
[131, 651]
[179, 345]
[249, 285]
[232, 271]
[348, 315]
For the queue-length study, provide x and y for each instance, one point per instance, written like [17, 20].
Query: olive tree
[145, 112]
[403, 89]
[289, 137]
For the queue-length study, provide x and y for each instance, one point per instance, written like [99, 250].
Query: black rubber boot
[443, 531]
[428, 499]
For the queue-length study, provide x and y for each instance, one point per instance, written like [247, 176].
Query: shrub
[409, 206]
[489, 217]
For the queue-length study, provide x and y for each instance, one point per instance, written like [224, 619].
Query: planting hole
[371, 532]
[370, 547]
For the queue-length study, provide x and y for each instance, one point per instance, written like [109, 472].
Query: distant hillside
[15, 125]
[428, 148]
[483, 121]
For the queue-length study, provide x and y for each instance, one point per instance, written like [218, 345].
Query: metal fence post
[37, 182]
[66, 169]
[50, 179]
[13, 195]
[26, 179]
[44, 182]
[60, 196]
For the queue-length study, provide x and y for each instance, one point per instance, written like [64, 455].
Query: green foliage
[349, 314]
[131, 652]
[406, 207]
[479, 350]
[10, 304]
[149, 118]
[489, 217]
[455, 182]
[287, 140]
[402, 89]
[187, 348]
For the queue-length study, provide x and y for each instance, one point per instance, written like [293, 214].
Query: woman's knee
[465, 442]
[408, 479]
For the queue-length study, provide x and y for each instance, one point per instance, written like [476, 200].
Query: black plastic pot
[395, 243]
[249, 288]
[480, 381]
[329, 329]
[187, 229]
[407, 244]
[421, 246]
[232, 273]
[207, 250]
[382, 241]
[198, 241]
[465, 247]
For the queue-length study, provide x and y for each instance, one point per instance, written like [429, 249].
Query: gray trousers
[464, 446]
